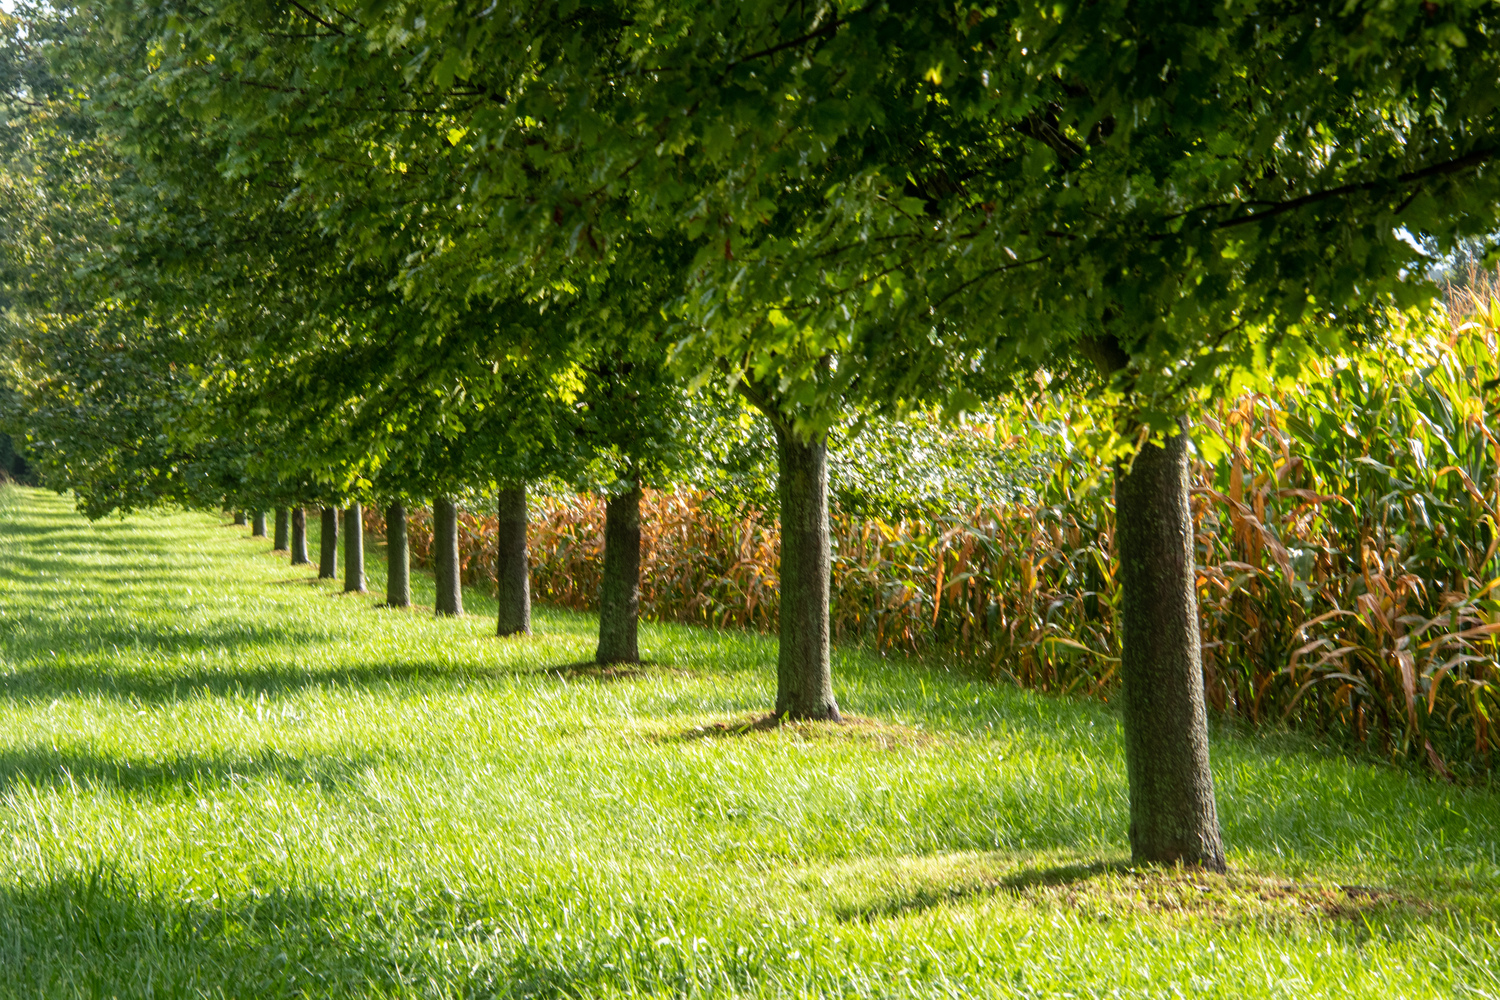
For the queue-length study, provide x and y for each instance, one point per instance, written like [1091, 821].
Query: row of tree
[618, 620]
[266, 254]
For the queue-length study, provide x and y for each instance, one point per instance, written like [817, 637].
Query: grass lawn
[219, 777]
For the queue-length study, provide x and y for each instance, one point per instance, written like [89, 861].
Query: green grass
[219, 777]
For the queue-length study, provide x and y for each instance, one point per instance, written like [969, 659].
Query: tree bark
[620, 589]
[445, 562]
[258, 524]
[512, 570]
[397, 558]
[354, 549]
[283, 529]
[239, 518]
[328, 545]
[804, 676]
[1173, 817]
[299, 537]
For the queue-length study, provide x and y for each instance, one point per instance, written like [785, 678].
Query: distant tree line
[12, 462]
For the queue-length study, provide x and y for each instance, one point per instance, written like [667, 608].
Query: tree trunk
[283, 529]
[1173, 818]
[397, 558]
[445, 563]
[299, 537]
[354, 549]
[804, 678]
[328, 547]
[620, 590]
[512, 571]
[258, 524]
[239, 518]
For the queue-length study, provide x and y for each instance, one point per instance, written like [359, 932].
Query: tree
[354, 549]
[397, 557]
[299, 537]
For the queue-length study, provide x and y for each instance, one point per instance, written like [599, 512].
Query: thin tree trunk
[239, 518]
[1173, 817]
[354, 549]
[397, 558]
[328, 547]
[258, 524]
[804, 676]
[445, 563]
[512, 571]
[299, 537]
[620, 589]
[283, 529]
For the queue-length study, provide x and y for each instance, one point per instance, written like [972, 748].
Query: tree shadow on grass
[758, 723]
[77, 635]
[45, 683]
[99, 933]
[86, 566]
[46, 766]
[71, 562]
[64, 551]
[916, 898]
[1109, 889]
[96, 934]
[592, 670]
[23, 529]
[126, 583]
[309, 576]
[849, 730]
[63, 544]
[1054, 875]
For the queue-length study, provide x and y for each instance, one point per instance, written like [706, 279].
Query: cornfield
[1347, 550]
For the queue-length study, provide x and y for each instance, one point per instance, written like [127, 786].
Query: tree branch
[313, 17]
[1471, 159]
[828, 29]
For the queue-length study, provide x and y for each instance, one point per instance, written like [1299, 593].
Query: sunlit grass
[221, 777]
